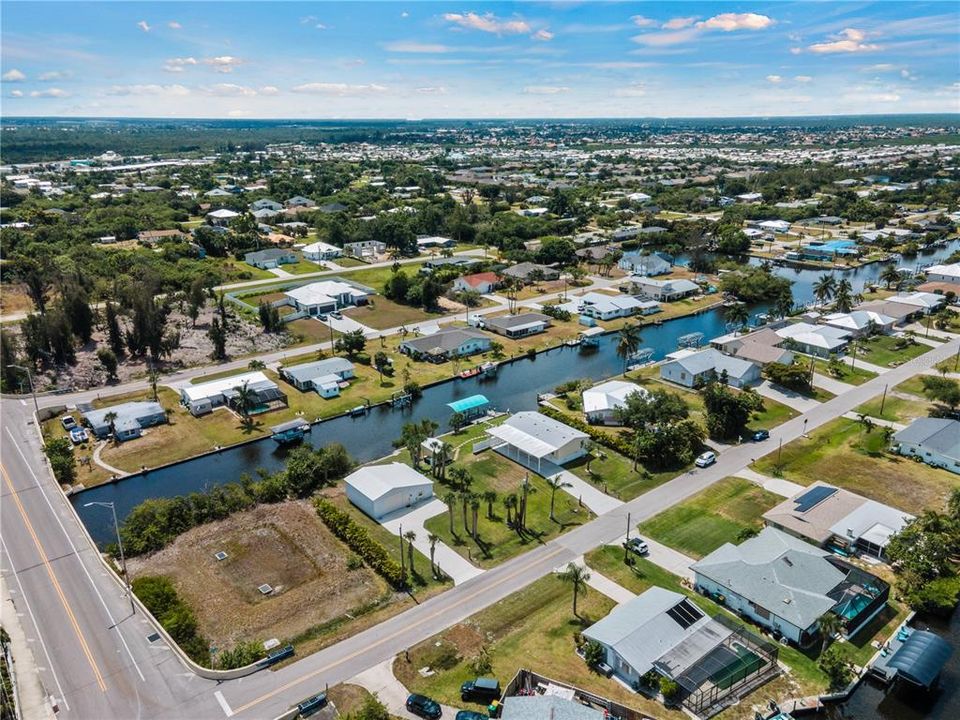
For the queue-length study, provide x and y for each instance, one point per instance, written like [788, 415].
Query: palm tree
[736, 314]
[526, 489]
[461, 478]
[449, 499]
[110, 419]
[433, 539]
[891, 276]
[411, 437]
[783, 304]
[465, 498]
[246, 398]
[509, 505]
[629, 343]
[843, 297]
[829, 624]
[577, 576]
[410, 535]
[556, 483]
[888, 433]
[474, 511]
[866, 423]
[490, 497]
[588, 449]
[153, 376]
[256, 365]
[824, 288]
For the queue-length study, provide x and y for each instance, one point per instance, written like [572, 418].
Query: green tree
[577, 576]
[736, 314]
[843, 297]
[594, 653]
[829, 625]
[410, 536]
[942, 390]
[490, 497]
[837, 667]
[109, 362]
[381, 361]
[457, 421]
[628, 343]
[218, 338]
[824, 288]
[433, 540]
[114, 333]
[728, 411]
[891, 276]
[59, 452]
[556, 483]
[350, 343]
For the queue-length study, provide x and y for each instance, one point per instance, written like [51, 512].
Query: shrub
[938, 597]
[669, 689]
[175, 616]
[354, 562]
[836, 666]
[594, 653]
[243, 653]
[59, 452]
[358, 539]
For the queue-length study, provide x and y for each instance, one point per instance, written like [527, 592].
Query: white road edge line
[76, 552]
[26, 602]
[224, 705]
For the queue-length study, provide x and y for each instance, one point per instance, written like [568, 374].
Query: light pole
[33, 390]
[123, 560]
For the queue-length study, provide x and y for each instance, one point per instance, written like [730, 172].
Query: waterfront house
[202, 398]
[693, 368]
[446, 344]
[378, 490]
[319, 375]
[663, 290]
[819, 340]
[860, 322]
[537, 441]
[517, 326]
[936, 441]
[601, 402]
[600, 306]
[131, 418]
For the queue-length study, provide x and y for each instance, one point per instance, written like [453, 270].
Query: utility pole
[779, 452]
[626, 543]
[883, 399]
[123, 559]
[33, 390]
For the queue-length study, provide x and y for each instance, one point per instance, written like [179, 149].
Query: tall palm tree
[891, 276]
[556, 483]
[246, 399]
[461, 478]
[628, 344]
[490, 497]
[588, 447]
[433, 539]
[449, 499]
[256, 365]
[110, 419]
[736, 314]
[577, 576]
[509, 505]
[824, 288]
[843, 296]
[465, 498]
[783, 304]
[153, 377]
[526, 489]
[474, 511]
[410, 535]
[829, 624]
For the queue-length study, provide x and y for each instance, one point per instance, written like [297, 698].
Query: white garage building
[379, 490]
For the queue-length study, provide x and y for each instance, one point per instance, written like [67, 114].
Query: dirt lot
[283, 545]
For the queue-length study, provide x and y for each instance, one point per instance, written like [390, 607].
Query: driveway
[598, 501]
[789, 398]
[602, 584]
[346, 324]
[830, 384]
[450, 561]
[380, 680]
[778, 486]
[667, 558]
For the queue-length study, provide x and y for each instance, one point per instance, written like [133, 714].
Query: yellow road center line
[53, 579]
[480, 591]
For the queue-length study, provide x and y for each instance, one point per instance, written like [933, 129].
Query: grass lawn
[375, 277]
[302, 267]
[904, 402]
[613, 473]
[608, 561]
[949, 365]
[382, 313]
[844, 373]
[496, 541]
[349, 699]
[773, 414]
[717, 515]
[534, 629]
[833, 454]
[348, 262]
[238, 270]
[885, 350]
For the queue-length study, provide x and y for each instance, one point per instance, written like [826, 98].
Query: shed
[379, 490]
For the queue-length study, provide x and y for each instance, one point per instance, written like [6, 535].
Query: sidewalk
[830, 384]
[32, 700]
[778, 486]
[598, 501]
[449, 560]
[876, 421]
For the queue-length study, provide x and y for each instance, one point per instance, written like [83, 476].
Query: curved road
[97, 659]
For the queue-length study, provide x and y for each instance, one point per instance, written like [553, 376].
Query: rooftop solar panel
[814, 497]
[685, 614]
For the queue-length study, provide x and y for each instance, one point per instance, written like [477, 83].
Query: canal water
[369, 437]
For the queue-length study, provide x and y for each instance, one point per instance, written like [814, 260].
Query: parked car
[480, 690]
[78, 435]
[637, 545]
[471, 715]
[336, 314]
[707, 458]
[424, 707]
[68, 422]
[761, 435]
[322, 317]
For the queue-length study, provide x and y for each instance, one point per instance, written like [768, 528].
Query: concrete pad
[789, 398]
[598, 501]
[830, 384]
[858, 363]
[778, 486]
[381, 681]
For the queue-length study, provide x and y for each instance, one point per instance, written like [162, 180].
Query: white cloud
[803, 78]
[52, 75]
[679, 23]
[229, 90]
[542, 35]
[404, 14]
[545, 90]
[632, 90]
[144, 26]
[51, 93]
[796, 50]
[849, 40]
[488, 23]
[728, 22]
[321, 26]
[906, 74]
[174, 25]
[223, 63]
[269, 90]
[149, 89]
[178, 64]
[16, 93]
[775, 79]
[238, 113]
[641, 21]
[409, 46]
[340, 89]
[14, 75]
[438, 90]
[877, 97]
[881, 67]
[660, 39]
[307, 20]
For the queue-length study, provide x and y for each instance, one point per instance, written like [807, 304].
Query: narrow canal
[369, 437]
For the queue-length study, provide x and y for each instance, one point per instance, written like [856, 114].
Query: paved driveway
[380, 680]
[346, 324]
[788, 397]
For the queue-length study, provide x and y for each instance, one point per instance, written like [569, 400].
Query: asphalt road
[97, 658]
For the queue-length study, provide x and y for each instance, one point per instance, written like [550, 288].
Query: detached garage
[379, 490]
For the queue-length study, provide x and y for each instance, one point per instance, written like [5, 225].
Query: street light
[123, 560]
[33, 390]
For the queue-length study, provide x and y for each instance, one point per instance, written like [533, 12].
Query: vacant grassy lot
[614, 474]
[718, 515]
[842, 453]
[533, 628]
[904, 402]
[348, 262]
[889, 351]
[238, 270]
[495, 541]
[382, 313]
[844, 373]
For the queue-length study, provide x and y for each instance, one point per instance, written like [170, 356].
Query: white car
[707, 458]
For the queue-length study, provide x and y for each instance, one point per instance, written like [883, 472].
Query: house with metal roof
[786, 585]
[379, 490]
[663, 290]
[601, 402]
[527, 271]
[600, 306]
[270, 258]
[446, 344]
[322, 376]
[517, 326]
[321, 251]
[819, 340]
[860, 322]
[645, 264]
[936, 441]
[204, 397]
[539, 707]
[537, 441]
[325, 296]
[693, 368]
[129, 419]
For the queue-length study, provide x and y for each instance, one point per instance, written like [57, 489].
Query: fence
[527, 682]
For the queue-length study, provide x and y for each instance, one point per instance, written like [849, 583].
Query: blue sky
[475, 59]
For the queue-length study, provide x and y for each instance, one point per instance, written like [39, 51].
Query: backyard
[533, 628]
[843, 453]
[724, 512]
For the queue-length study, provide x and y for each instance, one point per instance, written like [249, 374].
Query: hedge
[608, 439]
[358, 539]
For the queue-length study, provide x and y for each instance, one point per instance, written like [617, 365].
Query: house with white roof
[539, 442]
[944, 273]
[325, 296]
[774, 226]
[926, 301]
[819, 340]
[221, 217]
[434, 241]
[936, 441]
[609, 307]
[860, 322]
[202, 398]
[601, 402]
[378, 490]
[321, 251]
[693, 368]
[663, 290]
[364, 249]
[322, 376]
